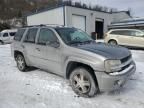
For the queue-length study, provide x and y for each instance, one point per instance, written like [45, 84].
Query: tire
[112, 42]
[21, 64]
[83, 83]
[1, 42]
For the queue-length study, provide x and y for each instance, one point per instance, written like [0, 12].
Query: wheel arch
[73, 65]
[113, 39]
[2, 41]
[16, 52]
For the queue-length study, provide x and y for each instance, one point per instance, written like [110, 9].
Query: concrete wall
[54, 16]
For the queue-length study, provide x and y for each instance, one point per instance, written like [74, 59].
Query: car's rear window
[19, 34]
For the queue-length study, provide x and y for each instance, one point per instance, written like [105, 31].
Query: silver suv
[71, 53]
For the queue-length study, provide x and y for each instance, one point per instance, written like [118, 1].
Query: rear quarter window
[19, 34]
[12, 33]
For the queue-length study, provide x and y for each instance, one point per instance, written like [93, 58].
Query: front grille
[123, 68]
[125, 59]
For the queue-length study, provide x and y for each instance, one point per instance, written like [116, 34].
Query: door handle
[37, 49]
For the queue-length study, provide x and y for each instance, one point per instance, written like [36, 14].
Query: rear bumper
[110, 82]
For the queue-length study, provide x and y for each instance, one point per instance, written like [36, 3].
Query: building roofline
[43, 10]
[63, 5]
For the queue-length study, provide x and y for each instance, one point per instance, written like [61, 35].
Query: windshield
[73, 35]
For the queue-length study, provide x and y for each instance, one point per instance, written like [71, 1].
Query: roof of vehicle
[9, 30]
[47, 25]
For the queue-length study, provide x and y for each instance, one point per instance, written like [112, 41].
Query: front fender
[96, 65]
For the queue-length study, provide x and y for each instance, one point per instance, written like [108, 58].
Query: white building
[88, 20]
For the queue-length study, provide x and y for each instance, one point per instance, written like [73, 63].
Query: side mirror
[54, 44]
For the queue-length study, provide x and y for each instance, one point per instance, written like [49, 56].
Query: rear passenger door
[28, 45]
[48, 57]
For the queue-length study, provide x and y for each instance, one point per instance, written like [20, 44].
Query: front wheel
[21, 64]
[83, 82]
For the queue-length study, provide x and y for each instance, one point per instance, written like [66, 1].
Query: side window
[45, 36]
[12, 33]
[31, 35]
[126, 32]
[5, 35]
[19, 34]
[138, 34]
[122, 32]
[116, 32]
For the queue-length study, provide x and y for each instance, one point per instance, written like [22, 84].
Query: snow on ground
[40, 89]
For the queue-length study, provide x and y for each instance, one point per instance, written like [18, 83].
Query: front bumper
[110, 82]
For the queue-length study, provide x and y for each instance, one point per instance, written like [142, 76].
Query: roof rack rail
[54, 25]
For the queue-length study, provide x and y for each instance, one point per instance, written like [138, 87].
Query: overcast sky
[137, 6]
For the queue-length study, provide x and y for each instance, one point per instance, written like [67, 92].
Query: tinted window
[12, 33]
[30, 36]
[19, 34]
[45, 36]
[116, 32]
[122, 32]
[5, 35]
[126, 32]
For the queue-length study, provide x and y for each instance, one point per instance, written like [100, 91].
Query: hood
[108, 51]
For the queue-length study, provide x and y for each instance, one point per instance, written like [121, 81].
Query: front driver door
[48, 57]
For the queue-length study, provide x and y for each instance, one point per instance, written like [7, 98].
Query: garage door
[79, 22]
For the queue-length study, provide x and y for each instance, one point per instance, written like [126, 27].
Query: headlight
[112, 65]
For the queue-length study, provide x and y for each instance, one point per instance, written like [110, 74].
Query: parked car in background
[71, 53]
[126, 37]
[6, 36]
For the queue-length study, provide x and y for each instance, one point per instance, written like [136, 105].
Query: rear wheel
[21, 64]
[83, 83]
[112, 42]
